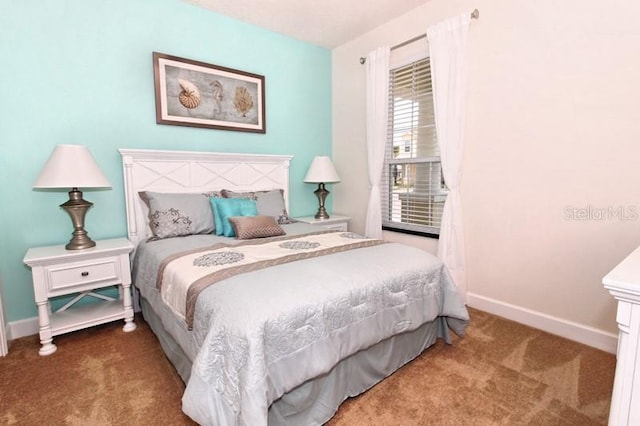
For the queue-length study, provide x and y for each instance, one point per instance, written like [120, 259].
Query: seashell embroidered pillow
[176, 215]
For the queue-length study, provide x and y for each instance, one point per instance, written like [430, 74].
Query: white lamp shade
[71, 166]
[321, 171]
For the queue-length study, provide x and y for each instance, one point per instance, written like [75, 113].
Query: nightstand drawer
[65, 277]
[334, 223]
[336, 227]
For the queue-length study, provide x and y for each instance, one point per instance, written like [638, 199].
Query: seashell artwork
[217, 94]
[242, 101]
[193, 93]
[189, 96]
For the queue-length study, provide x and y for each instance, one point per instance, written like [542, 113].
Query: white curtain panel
[377, 115]
[448, 55]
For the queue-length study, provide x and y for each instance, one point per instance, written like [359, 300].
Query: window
[413, 190]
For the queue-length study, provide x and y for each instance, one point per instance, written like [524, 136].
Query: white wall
[553, 122]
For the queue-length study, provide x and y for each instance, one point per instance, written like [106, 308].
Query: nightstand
[57, 271]
[336, 222]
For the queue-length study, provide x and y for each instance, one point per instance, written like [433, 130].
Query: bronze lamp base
[77, 208]
[321, 193]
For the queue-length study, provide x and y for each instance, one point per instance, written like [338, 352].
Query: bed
[279, 329]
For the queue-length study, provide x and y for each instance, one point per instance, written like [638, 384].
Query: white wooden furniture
[336, 222]
[57, 272]
[197, 172]
[4, 347]
[623, 282]
[186, 171]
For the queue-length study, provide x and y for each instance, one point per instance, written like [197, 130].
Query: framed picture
[192, 93]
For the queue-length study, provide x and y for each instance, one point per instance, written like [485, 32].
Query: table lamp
[321, 171]
[72, 166]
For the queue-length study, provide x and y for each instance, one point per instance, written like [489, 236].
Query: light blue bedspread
[261, 334]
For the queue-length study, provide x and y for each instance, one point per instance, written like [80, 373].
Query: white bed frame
[186, 171]
[179, 171]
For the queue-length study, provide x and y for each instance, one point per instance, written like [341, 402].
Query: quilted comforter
[262, 333]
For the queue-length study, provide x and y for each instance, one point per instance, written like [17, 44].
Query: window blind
[412, 186]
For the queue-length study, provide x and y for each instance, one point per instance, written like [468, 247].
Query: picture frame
[197, 94]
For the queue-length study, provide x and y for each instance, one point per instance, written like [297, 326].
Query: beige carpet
[501, 373]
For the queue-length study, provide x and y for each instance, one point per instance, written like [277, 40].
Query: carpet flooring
[501, 373]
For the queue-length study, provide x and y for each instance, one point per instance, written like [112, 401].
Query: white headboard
[187, 171]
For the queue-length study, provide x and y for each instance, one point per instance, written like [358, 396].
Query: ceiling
[326, 23]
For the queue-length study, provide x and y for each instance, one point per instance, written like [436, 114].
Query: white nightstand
[337, 222]
[57, 271]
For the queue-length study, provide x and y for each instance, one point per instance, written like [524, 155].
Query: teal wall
[80, 72]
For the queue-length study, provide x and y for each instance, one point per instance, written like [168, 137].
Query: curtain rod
[474, 15]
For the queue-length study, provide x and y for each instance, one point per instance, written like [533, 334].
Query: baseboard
[590, 336]
[22, 328]
[569, 330]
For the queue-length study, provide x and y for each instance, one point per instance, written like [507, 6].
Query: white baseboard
[590, 336]
[569, 330]
[22, 328]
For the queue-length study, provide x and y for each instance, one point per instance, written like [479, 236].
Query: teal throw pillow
[224, 208]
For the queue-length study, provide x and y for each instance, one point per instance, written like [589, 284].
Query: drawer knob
[85, 274]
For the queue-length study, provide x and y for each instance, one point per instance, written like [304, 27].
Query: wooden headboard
[189, 172]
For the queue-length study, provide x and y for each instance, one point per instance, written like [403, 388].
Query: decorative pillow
[174, 215]
[224, 208]
[213, 194]
[249, 227]
[269, 203]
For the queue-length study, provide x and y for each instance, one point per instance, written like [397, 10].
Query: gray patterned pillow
[175, 215]
[250, 227]
[269, 203]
